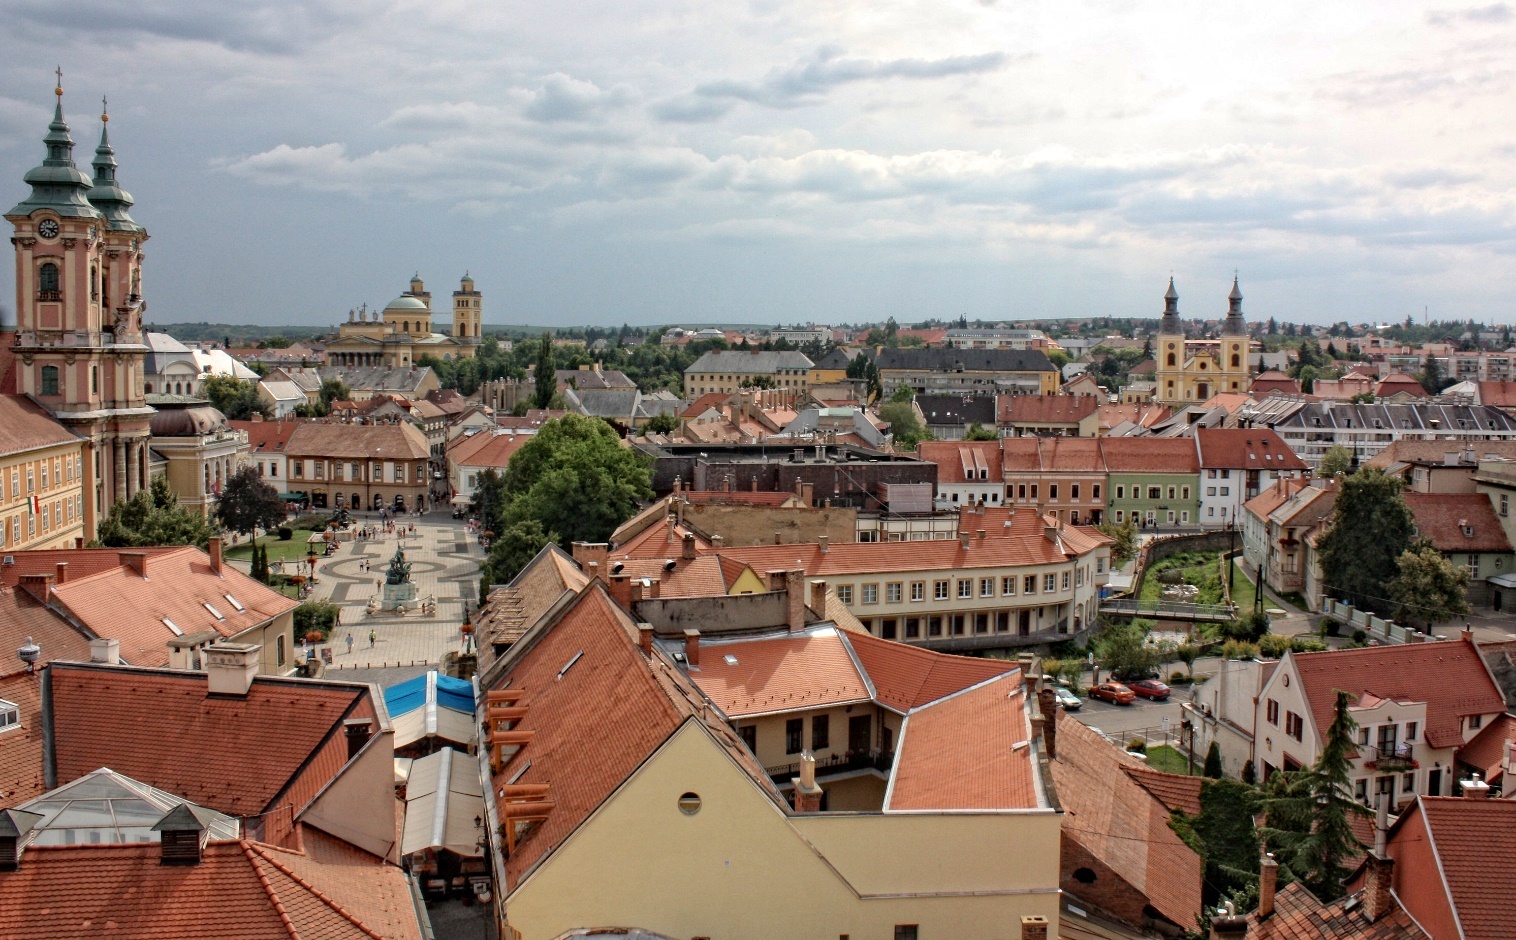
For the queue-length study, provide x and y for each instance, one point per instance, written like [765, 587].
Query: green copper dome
[57, 184]
[406, 304]
[107, 195]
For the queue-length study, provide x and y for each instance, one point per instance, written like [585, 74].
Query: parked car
[1113, 692]
[1150, 688]
[1067, 699]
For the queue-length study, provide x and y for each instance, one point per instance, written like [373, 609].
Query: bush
[1179, 678]
[1137, 746]
[1273, 646]
[318, 617]
[1306, 644]
[286, 533]
[1360, 638]
[1236, 649]
[1329, 627]
[316, 521]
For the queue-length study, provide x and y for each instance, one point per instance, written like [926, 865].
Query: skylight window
[570, 664]
[10, 715]
[173, 626]
[214, 612]
[233, 601]
[730, 659]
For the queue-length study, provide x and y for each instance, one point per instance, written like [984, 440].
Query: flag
[36, 504]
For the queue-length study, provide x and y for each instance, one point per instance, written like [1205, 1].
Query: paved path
[444, 564]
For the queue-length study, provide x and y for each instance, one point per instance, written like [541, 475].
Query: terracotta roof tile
[402, 441]
[777, 674]
[882, 557]
[1299, 916]
[487, 449]
[1246, 448]
[28, 426]
[1448, 676]
[906, 677]
[1044, 409]
[1274, 381]
[22, 616]
[267, 437]
[1122, 824]
[703, 576]
[1399, 382]
[1149, 455]
[961, 461]
[1441, 518]
[1479, 880]
[233, 755]
[1498, 394]
[660, 540]
[21, 776]
[1275, 496]
[970, 750]
[1174, 791]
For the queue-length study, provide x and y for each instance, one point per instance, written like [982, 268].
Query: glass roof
[105, 807]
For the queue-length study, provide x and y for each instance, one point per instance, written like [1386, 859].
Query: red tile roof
[1498, 394]
[1174, 791]
[1442, 517]
[21, 776]
[486, 449]
[23, 616]
[907, 677]
[970, 750]
[778, 674]
[28, 426]
[1273, 382]
[1149, 455]
[1044, 409]
[660, 540]
[1399, 382]
[1487, 749]
[239, 891]
[705, 403]
[1449, 677]
[1470, 840]
[703, 576]
[403, 441]
[233, 755]
[883, 557]
[1122, 824]
[1273, 497]
[267, 437]
[735, 498]
[1247, 449]
[962, 461]
[1299, 916]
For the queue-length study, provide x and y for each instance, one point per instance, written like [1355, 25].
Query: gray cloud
[268, 26]
[1494, 13]
[562, 98]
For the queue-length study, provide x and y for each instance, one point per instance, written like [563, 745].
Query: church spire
[1171, 324]
[1235, 324]
[57, 184]
[107, 195]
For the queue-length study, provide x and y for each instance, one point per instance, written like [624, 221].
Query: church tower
[468, 315]
[1169, 351]
[1233, 360]
[78, 346]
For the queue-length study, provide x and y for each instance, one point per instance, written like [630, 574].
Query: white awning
[461, 500]
[1502, 580]
[442, 799]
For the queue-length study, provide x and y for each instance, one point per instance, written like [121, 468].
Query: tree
[576, 479]
[1124, 540]
[1307, 378]
[904, 425]
[759, 381]
[1337, 459]
[977, 432]
[248, 503]
[661, 424]
[153, 517]
[1273, 327]
[547, 378]
[1308, 811]
[904, 394]
[1372, 527]
[333, 389]
[1187, 654]
[1429, 588]
[1212, 767]
[259, 564]
[513, 549]
[490, 498]
[1224, 837]
[1431, 376]
[1122, 651]
[235, 398]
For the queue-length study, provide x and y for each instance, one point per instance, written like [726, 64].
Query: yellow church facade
[402, 333]
[1192, 371]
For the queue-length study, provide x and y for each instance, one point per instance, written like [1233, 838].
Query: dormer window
[10, 715]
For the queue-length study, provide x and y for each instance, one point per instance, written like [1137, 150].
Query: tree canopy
[514, 547]
[153, 517]
[235, 398]
[546, 378]
[576, 479]
[1429, 589]
[904, 425]
[248, 503]
[1360, 553]
[1337, 459]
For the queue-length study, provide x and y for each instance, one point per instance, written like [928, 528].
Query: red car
[1113, 692]
[1151, 688]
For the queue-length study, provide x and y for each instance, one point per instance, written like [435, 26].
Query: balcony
[835, 764]
[1392, 760]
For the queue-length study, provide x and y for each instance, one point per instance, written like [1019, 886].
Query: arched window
[1171, 360]
[1236, 360]
[47, 278]
[49, 380]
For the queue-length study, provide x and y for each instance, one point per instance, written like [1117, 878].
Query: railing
[1395, 759]
[1168, 610]
[835, 764]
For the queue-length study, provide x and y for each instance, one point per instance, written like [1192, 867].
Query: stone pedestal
[398, 594]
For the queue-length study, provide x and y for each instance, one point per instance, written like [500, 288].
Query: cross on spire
[105, 111]
[59, 72]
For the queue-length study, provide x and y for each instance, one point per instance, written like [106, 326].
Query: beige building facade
[41, 479]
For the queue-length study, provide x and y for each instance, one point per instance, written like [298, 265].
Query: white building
[1236, 464]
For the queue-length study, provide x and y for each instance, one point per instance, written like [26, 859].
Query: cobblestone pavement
[444, 560]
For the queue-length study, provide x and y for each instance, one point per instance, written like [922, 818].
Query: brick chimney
[794, 587]
[230, 668]
[825, 541]
[1034, 927]
[182, 836]
[1268, 883]
[104, 650]
[137, 561]
[963, 539]
[692, 648]
[1229, 927]
[358, 730]
[1474, 788]
[818, 597]
[807, 792]
[645, 638]
[1379, 869]
[62, 576]
[808, 494]
[688, 547]
[15, 835]
[586, 553]
[39, 586]
[1047, 704]
[213, 548]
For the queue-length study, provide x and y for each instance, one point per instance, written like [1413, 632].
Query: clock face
[48, 229]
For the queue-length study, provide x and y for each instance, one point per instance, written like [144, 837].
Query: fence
[1385, 631]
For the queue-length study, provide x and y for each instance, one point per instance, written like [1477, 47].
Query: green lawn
[1243, 590]
[1165, 758]
[293, 550]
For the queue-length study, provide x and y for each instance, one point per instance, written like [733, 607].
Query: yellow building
[41, 478]
[1191, 371]
[402, 333]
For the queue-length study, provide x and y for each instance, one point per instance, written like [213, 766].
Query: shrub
[1273, 646]
[286, 533]
[315, 521]
[1360, 638]
[1307, 644]
[1329, 627]
[1137, 746]
[1179, 678]
[1236, 649]
[319, 617]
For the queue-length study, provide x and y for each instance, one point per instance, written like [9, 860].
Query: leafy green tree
[1123, 652]
[1307, 378]
[904, 425]
[1372, 527]
[1124, 540]
[248, 503]
[1212, 767]
[333, 389]
[1224, 837]
[153, 517]
[1337, 459]
[1429, 588]
[576, 479]
[514, 547]
[976, 432]
[490, 498]
[1309, 811]
[1249, 775]
[661, 424]
[903, 395]
[547, 380]
[1187, 654]
[235, 398]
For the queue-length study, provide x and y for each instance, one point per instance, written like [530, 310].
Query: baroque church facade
[402, 332]
[1190, 371]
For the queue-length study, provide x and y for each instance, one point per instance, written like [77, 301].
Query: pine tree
[1213, 761]
[547, 378]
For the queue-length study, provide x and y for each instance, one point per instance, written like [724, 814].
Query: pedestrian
[350, 642]
[372, 636]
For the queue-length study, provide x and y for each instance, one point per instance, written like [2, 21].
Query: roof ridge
[319, 894]
[268, 890]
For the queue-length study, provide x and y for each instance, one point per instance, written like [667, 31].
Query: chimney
[39, 586]
[621, 590]
[183, 836]
[213, 548]
[688, 546]
[230, 668]
[718, 541]
[593, 570]
[639, 589]
[15, 834]
[62, 577]
[808, 494]
[645, 638]
[1268, 883]
[963, 539]
[794, 587]
[103, 650]
[1228, 926]
[1034, 927]
[359, 730]
[654, 588]
[818, 597]
[137, 561]
[807, 793]
[979, 534]
[825, 541]
[1379, 868]
[1475, 789]
[1047, 704]
[692, 648]
[1051, 531]
[591, 552]
[799, 488]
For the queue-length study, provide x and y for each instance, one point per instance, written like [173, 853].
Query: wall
[740, 868]
[19, 528]
[1271, 744]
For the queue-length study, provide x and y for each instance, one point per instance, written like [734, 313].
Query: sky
[772, 161]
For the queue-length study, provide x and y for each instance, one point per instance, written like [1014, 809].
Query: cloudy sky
[792, 160]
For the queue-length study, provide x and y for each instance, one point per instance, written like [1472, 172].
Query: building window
[1294, 725]
[871, 593]
[820, 733]
[1049, 583]
[1184, 492]
[1155, 492]
[986, 587]
[1095, 491]
[47, 279]
[965, 588]
[912, 628]
[1074, 490]
[749, 736]
[1361, 790]
[1273, 713]
[940, 590]
[1121, 492]
[1065, 580]
[49, 380]
[1475, 721]
[1408, 783]
[906, 932]
[918, 590]
[1410, 732]
[279, 650]
[299, 469]
[892, 592]
[1052, 491]
[1008, 585]
[845, 593]
[794, 728]
[1029, 584]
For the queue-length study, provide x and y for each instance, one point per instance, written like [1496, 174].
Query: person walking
[372, 636]
[349, 642]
